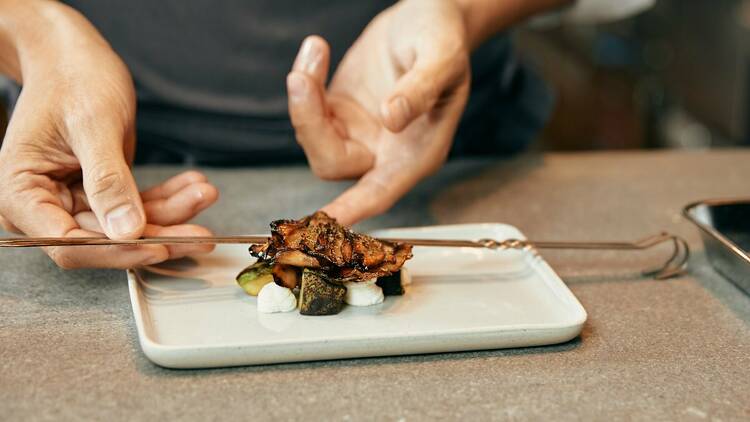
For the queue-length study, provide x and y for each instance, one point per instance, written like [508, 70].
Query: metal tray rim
[687, 212]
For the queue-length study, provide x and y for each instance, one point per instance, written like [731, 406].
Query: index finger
[373, 194]
[173, 185]
[329, 155]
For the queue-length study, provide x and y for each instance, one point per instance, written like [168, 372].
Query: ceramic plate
[192, 314]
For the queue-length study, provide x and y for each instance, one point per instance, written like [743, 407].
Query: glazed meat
[318, 241]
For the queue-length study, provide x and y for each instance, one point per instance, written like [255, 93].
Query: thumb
[111, 190]
[418, 91]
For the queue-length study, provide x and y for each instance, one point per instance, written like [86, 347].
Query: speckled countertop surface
[675, 350]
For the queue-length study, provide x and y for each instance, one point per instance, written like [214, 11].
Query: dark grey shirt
[210, 73]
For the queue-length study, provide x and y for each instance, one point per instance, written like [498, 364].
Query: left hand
[390, 112]
[168, 207]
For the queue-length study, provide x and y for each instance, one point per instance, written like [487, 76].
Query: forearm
[40, 31]
[486, 17]
[16, 16]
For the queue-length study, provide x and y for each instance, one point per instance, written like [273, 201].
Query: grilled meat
[285, 275]
[319, 242]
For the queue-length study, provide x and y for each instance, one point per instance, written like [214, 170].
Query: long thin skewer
[31, 242]
[673, 266]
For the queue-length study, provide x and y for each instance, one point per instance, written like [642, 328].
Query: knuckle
[195, 176]
[64, 258]
[326, 170]
[327, 167]
[103, 180]
[324, 164]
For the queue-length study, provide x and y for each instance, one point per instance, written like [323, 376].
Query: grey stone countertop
[651, 350]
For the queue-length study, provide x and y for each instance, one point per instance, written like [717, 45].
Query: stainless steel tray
[725, 227]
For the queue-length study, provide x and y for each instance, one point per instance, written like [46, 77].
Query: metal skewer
[35, 242]
[675, 265]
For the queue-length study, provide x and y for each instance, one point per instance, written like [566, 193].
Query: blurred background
[674, 76]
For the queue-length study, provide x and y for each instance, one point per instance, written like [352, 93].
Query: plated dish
[320, 265]
[192, 313]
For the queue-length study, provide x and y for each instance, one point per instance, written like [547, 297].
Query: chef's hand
[64, 161]
[390, 112]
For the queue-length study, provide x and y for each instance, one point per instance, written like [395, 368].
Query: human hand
[64, 162]
[389, 114]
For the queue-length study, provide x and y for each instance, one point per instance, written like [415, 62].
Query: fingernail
[123, 220]
[310, 56]
[399, 111]
[297, 87]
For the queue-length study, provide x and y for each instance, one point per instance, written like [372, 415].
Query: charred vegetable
[391, 284]
[254, 277]
[318, 296]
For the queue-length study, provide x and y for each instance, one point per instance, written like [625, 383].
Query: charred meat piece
[318, 241]
[296, 259]
[285, 275]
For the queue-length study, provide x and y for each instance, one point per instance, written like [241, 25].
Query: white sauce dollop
[363, 293]
[405, 277]
[274, 298]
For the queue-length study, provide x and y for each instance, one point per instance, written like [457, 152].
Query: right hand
[64, 162]
[388, 116]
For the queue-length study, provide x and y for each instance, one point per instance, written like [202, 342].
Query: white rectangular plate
[192, 314]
